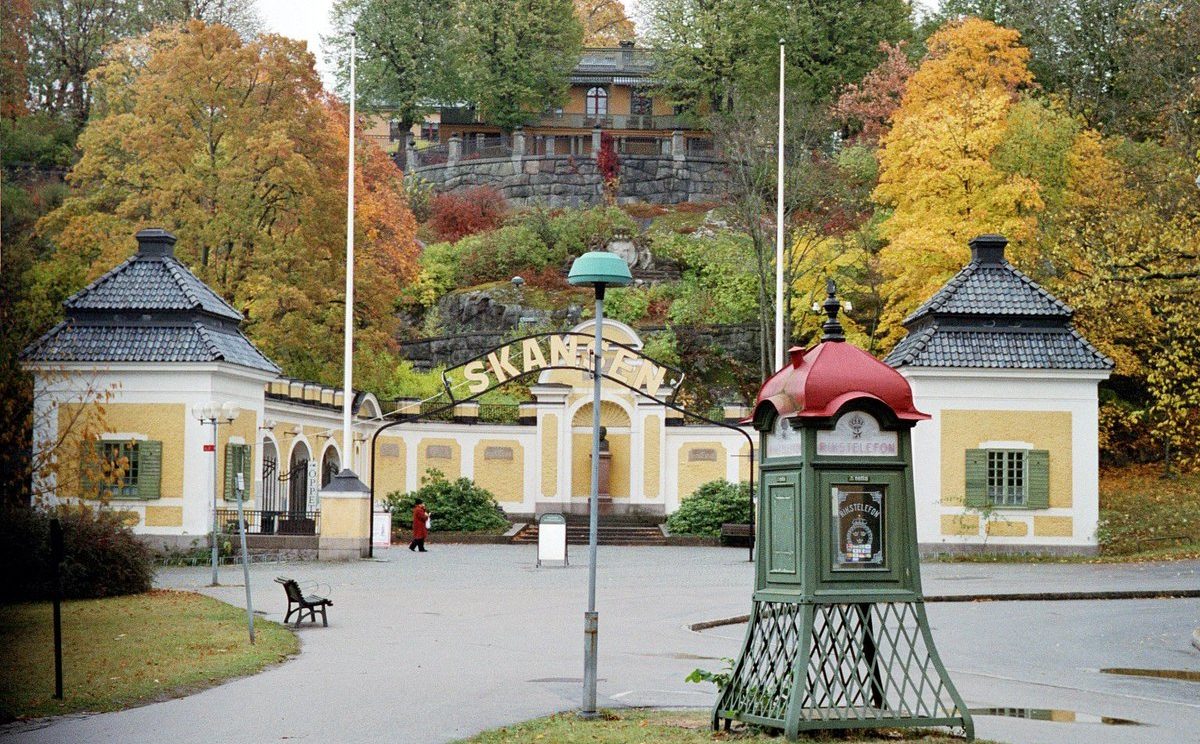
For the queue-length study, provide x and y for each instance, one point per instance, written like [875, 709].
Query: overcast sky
[309, 19]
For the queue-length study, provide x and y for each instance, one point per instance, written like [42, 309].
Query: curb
[1013, 597]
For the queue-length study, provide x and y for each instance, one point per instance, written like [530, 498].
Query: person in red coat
[420, 527]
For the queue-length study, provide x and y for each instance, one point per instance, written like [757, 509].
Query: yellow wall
[744, 463]
[345, 517]
[504, 478]
[581, 465]
[651, 458]
[390, 472]
[164, 516]
[1053, 526]
[451, 468]
[960, 524]
[549, 455]
[964, 430]
[162, 422]
[999, 527]
[693, 474]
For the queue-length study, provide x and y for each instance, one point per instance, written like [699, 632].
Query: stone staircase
[611, 532]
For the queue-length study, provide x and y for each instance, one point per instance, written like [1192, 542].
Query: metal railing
[609, 121]
[271, 522]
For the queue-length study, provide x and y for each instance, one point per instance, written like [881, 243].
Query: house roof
[152, 279]
[992, 316]
[150, 308]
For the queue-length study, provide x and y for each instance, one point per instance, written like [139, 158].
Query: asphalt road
[435, 647]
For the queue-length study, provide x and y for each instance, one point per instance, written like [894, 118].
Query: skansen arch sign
[533, 354]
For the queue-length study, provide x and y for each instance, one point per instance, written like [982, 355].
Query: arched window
[597, 103]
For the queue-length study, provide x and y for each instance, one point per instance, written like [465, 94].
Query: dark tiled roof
[148, 283]
[1038, 348]
[992, 289]
[195, 342]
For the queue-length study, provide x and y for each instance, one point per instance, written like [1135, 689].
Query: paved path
[434, 647]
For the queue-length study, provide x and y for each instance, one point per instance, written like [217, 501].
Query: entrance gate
[540, 352]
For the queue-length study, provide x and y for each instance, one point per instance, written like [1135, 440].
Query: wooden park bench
[300, 603]
[734, 533]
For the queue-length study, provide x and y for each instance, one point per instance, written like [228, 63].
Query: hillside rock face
[498, 310]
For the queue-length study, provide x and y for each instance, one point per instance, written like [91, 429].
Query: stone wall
[573, 180]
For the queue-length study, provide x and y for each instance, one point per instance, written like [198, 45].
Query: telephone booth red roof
[817, 382]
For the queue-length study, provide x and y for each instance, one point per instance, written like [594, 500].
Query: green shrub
[711, 505]
[455, 506]
[626, 304]
[101, 556]
[498, 255]
[577, 231]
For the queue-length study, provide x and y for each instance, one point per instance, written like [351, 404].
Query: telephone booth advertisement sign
[859, 435]
[860, 520]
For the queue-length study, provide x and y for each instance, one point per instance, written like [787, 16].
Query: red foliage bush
[453, 216]
[607, 161]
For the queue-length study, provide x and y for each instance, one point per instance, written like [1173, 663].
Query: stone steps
[611, 534]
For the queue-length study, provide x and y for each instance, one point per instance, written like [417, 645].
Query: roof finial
[833, 329]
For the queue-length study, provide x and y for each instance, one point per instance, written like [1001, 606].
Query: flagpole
[348, 331]
[779, 229]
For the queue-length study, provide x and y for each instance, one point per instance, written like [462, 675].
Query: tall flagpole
[779, 229]
[348, 331]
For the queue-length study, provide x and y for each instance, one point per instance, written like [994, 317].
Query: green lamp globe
[599, 268]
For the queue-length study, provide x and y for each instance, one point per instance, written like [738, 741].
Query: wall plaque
[784, 440]
[439, 452]
[497, 453]
[702, 454]
[857, 433]
[859, 523]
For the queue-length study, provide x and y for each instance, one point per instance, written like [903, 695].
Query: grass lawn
[125, 651]
[663, 727]
[1146, 516]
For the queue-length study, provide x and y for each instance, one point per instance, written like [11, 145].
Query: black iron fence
[271, 522]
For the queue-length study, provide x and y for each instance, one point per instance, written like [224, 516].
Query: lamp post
[597, 269]
[211, 413]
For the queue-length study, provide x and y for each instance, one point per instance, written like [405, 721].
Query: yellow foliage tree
[604, 22]
[937, 173]
[233, 145]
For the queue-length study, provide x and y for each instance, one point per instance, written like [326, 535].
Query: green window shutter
[976, 490]
[149, 482]
[1037, 463]
[89, 459]
[247, 467]
[231, 467]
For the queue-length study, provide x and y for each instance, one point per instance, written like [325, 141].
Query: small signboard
[857, 434]
[859, 519]
[552, 539]
[785, 440]
[381, 527]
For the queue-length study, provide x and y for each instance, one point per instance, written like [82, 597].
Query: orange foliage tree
[937, 173]
[233, 145]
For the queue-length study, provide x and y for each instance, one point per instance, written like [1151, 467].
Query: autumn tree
[865, 108]
[937, 174]
[14, 55]
[232, 145]
[604, 22]
[517, 56]
[408, 54]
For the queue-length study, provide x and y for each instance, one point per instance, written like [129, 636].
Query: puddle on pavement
[1185, 675]
[1055, 715]
[691, 657]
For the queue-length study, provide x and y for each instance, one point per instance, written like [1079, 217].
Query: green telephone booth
[838, 636]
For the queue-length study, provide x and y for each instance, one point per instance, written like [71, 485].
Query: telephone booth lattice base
[866, 665]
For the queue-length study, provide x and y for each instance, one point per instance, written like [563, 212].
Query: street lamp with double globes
[597, 269]
[215, 414]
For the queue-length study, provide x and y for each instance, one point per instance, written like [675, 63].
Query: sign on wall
[857, 434]
[785, 440]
